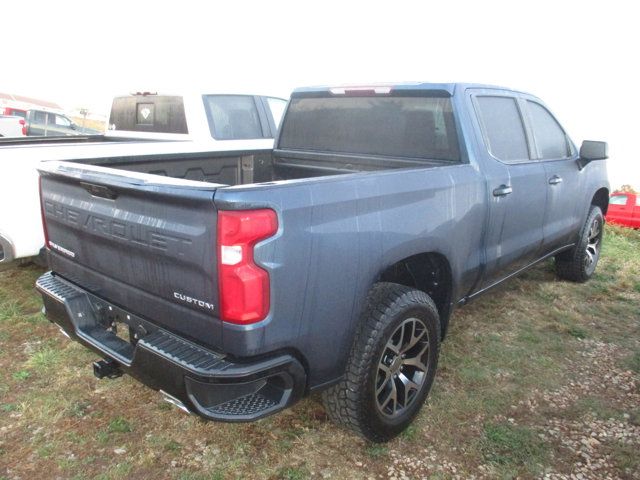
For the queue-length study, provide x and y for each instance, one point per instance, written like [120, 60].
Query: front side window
[233, 117]
[550, 139]
[618, 200]
[503, 128]
[394, 126]
[62, 121]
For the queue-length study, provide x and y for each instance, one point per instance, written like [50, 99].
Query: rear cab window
[420, 127]
[148, 113]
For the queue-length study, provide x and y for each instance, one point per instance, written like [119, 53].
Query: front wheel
[579, 263]
[391, 366]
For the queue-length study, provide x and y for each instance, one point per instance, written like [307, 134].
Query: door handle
[556, 179]
[502, 190]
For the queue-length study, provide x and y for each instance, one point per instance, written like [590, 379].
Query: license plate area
[125, 326]
[113, 329]
[122, 331]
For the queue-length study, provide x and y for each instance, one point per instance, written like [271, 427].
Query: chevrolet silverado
[238, 284]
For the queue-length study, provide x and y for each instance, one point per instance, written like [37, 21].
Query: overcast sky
[579, 57]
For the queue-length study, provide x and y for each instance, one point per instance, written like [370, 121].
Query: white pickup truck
[142, 127]
[12, 126]
[195, 116]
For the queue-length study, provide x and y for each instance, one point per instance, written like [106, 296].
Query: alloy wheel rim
[402, 369]
[593, 243]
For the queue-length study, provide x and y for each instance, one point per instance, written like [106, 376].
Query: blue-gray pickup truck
[238, 282]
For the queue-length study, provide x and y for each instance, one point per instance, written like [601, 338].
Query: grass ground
[540, 378]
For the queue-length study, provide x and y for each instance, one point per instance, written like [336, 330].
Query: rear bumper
[205, 382]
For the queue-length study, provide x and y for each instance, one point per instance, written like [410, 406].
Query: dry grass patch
[524, 374]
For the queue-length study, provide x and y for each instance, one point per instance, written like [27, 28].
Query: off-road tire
[354, 402]
[574, 264]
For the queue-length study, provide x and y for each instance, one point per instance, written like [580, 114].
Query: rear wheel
[392, 364]
[579, 263]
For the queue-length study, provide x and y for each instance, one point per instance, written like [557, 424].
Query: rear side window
[412, 127]
[503, 128]
[618, 200]
[276, 107]
[233, 117]
[550, 139]
[39, 117]
[148, 113]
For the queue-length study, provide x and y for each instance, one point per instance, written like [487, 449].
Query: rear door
[516, 182]
[564, 179]
[37, 120]
[141, 241]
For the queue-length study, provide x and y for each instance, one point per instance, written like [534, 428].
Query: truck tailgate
[140, 240]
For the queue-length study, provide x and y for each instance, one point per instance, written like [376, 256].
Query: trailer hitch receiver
[107, 368]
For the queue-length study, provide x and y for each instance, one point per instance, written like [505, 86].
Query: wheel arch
[601, 199]
[429, 272]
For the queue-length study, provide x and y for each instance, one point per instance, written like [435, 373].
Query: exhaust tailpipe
[174, 401]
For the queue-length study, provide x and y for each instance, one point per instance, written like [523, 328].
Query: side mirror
[591, 150]
[75, 127]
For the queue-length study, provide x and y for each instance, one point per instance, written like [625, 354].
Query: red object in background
[624, 209]
[13, 111]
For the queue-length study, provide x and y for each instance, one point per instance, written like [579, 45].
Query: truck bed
[244, 168]
[161, 209]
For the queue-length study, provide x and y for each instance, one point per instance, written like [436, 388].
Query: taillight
[24, 126]
[44, 223]
[243, 285]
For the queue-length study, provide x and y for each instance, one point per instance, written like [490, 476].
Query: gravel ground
[589, 440]
[586, 442]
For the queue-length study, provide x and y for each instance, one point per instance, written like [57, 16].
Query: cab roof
[444, 89]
